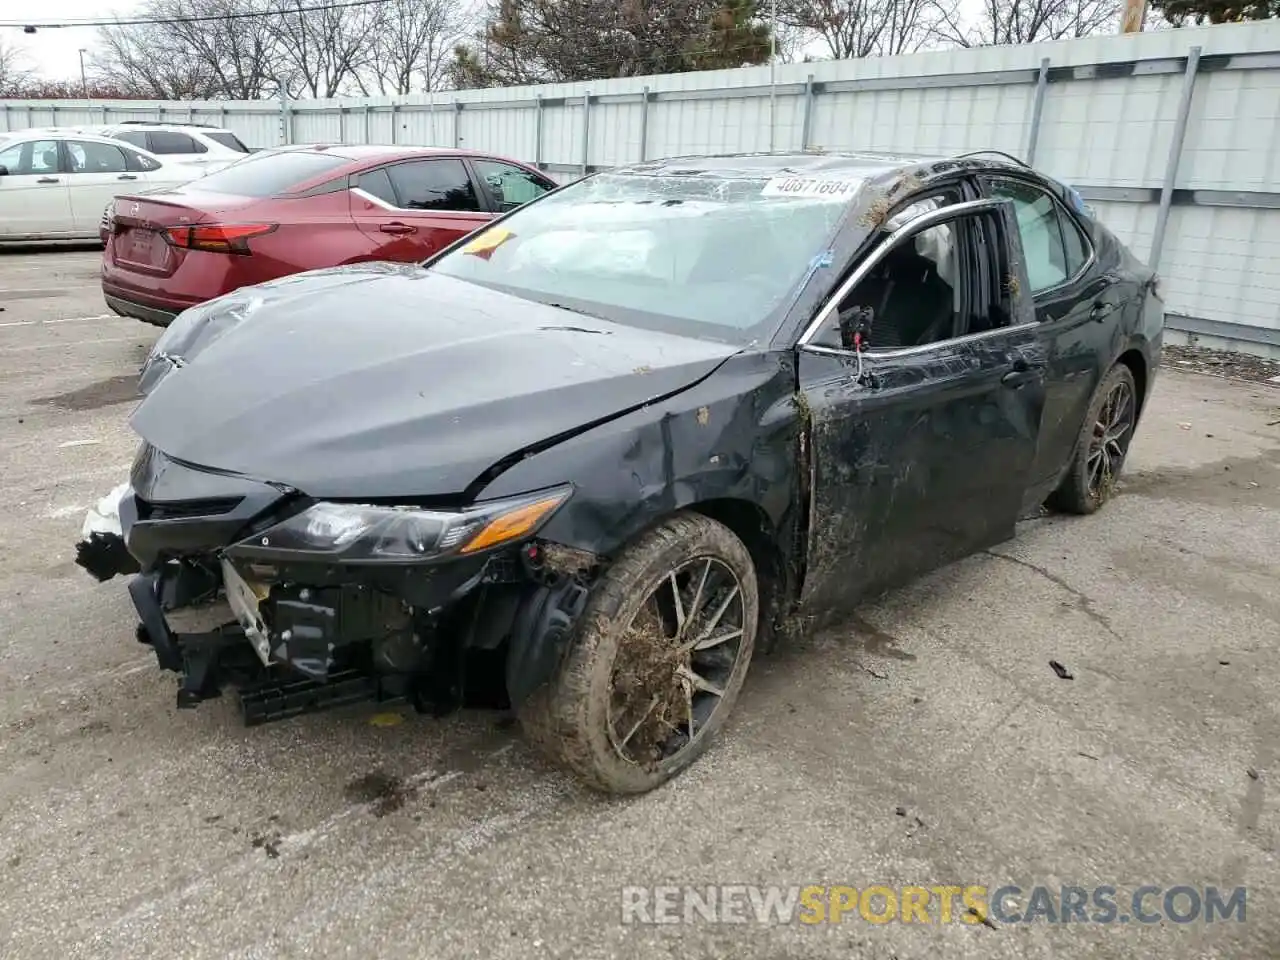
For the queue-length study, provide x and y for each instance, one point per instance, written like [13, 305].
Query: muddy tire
[632, 704]
[1101, 447]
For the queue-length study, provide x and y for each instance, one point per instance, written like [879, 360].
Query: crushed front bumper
[296, 634]
[222, 656]
[201, 617]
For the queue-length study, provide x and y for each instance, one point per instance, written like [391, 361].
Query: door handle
[1020, 374]
[126, 176]
[48, 180]
[1100, 311]
[397, 228]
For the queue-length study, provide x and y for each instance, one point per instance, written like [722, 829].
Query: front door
[923, 440]
[33, 191]
[415, 209]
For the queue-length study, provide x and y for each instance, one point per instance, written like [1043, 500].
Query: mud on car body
[622, 438]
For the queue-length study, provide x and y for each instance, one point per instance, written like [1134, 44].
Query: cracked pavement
[128, 829]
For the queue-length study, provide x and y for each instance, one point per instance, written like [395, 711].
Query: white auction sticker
[821, 187]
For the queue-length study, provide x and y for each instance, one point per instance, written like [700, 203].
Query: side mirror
[4, 171]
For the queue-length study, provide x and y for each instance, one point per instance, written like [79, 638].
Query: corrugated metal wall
[1100, 113]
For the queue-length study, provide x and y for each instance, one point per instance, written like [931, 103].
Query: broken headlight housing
[359, 533]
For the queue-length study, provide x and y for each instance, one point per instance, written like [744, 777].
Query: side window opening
[135, 137]
[510, 186]
[1077, 246]
[140, 162]
[91, 157]
[376, 183]
[438, 184]
[30, 158]
[1052, 244]
[169, 141]
[935, 284]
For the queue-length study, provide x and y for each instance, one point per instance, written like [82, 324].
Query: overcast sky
[55, 52]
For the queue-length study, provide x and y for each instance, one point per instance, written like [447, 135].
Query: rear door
[415, 208]
[33, 194]
[922, 440]
[1073, 303]
[97, 173]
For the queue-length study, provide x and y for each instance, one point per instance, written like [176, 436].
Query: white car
[211, 148]
[55, 185]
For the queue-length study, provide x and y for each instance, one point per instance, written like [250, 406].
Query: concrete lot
[930, 745]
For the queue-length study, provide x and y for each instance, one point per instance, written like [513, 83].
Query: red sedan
[283, 211]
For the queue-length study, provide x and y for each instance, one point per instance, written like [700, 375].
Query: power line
[143, 21]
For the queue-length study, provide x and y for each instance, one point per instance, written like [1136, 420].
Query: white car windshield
[706, 255]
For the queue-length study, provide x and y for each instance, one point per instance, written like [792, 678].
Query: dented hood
[388, 381]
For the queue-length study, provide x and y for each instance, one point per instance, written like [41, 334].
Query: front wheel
[1102, 445]
[656, 661]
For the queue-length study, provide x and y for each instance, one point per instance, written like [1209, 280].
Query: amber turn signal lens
[514, 524]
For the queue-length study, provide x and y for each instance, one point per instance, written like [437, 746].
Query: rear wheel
[657, 660]
[1102, 445]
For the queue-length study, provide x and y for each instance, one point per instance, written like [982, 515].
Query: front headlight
[355, 533]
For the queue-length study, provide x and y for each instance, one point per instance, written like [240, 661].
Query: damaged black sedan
[621, 438]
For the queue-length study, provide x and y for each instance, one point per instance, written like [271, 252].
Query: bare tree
[866, 28]
[323, 51]
[1029, 21]
[14, 72]
[196, 49]
[146, 59]
[412, 45]
[237, 51]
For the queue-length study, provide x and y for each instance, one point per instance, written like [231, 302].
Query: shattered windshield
[702, 255]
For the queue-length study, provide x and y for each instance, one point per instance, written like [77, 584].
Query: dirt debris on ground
[1222, 363]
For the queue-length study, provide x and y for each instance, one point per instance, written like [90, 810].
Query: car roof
[63, 133]
[145, 125]
[876, 171]
[750, 166]
[360, 152]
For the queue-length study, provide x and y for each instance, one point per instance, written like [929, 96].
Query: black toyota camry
[618, 440]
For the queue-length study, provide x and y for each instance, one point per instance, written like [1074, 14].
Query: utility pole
[773, 68]
[84, 83]
[1132, 16]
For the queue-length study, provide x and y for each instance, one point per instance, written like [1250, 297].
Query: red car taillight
[218, 238]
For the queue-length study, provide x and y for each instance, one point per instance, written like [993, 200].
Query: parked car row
[55, 185]
[286, 210]
[614, 440]
[187, 213]
[207, 147]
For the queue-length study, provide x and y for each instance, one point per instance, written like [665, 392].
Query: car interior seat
[912, 303]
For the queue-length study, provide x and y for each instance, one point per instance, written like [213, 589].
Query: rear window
[228, 139]
[268, 174]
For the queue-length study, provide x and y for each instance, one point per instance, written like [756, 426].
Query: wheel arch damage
[726, 448]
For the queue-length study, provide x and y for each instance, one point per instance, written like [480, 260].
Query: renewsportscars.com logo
[970, 904]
